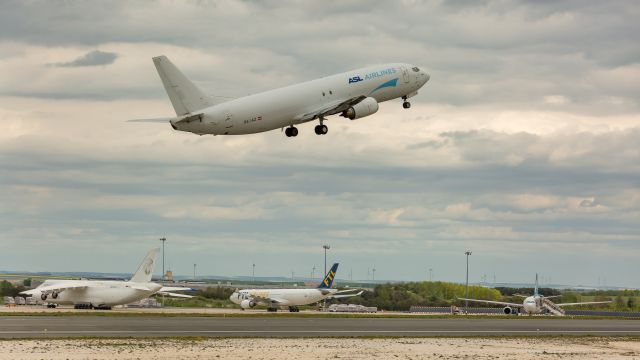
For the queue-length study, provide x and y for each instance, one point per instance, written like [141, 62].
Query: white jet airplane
[353, 94]
[291, 298]
[536, 304]
[103, 294]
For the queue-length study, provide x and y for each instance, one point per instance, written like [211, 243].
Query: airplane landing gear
[51, 306]
[293, 309]
[291, 131]
[272, 309]
[321, 129]
[405, 103]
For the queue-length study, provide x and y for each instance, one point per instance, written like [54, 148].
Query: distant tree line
[8, 289]
[401, 296]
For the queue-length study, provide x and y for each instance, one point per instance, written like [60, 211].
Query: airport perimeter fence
[628, 314]
[454, 310]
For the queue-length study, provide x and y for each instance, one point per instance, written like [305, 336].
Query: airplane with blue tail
[274, 299]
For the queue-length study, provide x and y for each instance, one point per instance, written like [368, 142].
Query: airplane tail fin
[328, 279]
[184, 95]
[145, 270]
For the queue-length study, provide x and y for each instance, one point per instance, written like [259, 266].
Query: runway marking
[315, 331]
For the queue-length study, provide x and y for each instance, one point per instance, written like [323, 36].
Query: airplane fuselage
[102, 293]
[285, 297]
[286, 106]
[532, 305]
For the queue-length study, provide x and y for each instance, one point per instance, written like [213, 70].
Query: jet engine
[507, 310]
[366, 107]
[247, 304]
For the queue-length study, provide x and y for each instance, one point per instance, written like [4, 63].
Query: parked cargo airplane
[536, 304]
[353, 94]
[103, 294]
[292, 298]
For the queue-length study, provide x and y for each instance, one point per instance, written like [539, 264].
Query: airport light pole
[325, 247]
[466, 296]
[313, 273]
[373, 274]
[194, 272]
[253, 273]
[163, 240]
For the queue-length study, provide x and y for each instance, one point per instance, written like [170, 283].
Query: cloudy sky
[523, 147]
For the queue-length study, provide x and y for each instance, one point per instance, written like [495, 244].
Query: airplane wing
[493, 302]
[585, 303]
[67, 285]
[331, 109]
[266, 300]
[174, 294]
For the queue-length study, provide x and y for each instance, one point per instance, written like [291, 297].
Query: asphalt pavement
[155, 326]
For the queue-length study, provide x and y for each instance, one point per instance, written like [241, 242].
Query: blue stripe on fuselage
[390, 83]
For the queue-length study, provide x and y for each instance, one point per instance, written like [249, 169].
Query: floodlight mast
[466, 296]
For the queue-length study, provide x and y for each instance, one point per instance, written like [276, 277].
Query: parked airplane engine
[366, 107]
[508, 310]
[247, 304]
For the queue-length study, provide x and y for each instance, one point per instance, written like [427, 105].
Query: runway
[141, 326]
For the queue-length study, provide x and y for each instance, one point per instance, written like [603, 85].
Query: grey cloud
[93, 58]
[495, 52]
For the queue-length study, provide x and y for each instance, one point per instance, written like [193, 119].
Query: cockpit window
[415, 69]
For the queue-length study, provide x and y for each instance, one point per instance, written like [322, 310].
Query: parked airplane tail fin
[328, 279]
[184, 95]
[145, 270]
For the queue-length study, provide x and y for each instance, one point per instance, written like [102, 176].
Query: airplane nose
[427, 77]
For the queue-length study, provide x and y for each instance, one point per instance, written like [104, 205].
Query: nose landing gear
[405, 103]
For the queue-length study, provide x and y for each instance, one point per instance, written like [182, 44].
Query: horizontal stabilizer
[154, 120]
[339, 296]
[169, 288]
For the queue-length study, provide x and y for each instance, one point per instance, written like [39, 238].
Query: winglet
[328, 279]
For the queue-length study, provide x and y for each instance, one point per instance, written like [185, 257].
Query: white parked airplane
[536, 304]
[103, 294]
[291, 298]
[353, 94]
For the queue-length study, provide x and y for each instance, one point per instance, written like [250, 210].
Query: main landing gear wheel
[293, 309]
[405, 103]
[321, 129]
[291, 131]
[272, 309]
